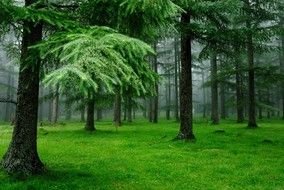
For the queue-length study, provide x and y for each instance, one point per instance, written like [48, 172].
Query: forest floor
[143, 156]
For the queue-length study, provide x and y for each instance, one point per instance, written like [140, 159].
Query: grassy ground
[142, 156]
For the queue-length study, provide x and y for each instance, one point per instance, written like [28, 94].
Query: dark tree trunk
[259, 107]
[268, 103]
[214, 91]
[90, 122]
[150, 109]
[21, 156]
[117, 109]
[168, 89]
[156, 98]
[145, 109]
[223, 101]
[204, 95]
[176, 81]
[186, 131]
[251, 83]
[239, 90]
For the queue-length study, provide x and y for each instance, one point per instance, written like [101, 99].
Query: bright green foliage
[99, 54]
[140, 156]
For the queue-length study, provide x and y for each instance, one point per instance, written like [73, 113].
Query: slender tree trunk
[204, 94]
[145, 109]
[168, 89]
[176, 82]
[251, 83]
[259, 107]
[268, 103]
[186, 131]
[223, 101]
[239, 88]
[90, 122]
[22, 156]
[214, 91]
[150, 109]
[117, 108]
[156, 98]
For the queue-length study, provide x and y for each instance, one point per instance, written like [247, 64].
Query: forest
[141, 94]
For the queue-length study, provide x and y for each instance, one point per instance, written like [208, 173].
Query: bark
[239, 89]
[176, 82]
[260, 116]
[117, 109]
[204, 95]
[268, 103]
[214, 90]
[223, 101]
[186, 128]
[22, 156]
[90, 122]
[251, 85]
[150, 109]
[156, 98]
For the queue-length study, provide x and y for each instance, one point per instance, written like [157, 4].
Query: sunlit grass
[143, 156]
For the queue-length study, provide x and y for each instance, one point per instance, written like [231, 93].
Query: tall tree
[22, 155]
[186, 130]
[214, 90]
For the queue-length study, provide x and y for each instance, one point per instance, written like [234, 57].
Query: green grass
[143, 156]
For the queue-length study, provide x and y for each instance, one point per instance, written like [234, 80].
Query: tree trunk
[186, 131]
[239, 89]
[156, 98]
[22, 156]
[176, 82]
[117, 109]
[223, 101]
[259, 107]
[214, 90]
[204, 95]
[150, 109]
[251, 83]
[90, 123]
